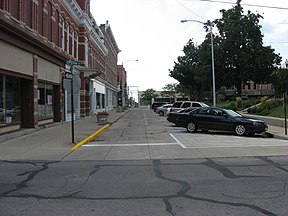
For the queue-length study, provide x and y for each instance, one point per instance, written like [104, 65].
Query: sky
[151, 32]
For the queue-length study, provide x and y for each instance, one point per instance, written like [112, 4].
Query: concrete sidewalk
[277, 132]
[53, 142]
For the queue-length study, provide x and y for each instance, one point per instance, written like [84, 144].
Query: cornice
[84, 20]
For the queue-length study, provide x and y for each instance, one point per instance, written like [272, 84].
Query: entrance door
[26, 103]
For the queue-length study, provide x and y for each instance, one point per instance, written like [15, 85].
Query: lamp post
[284, 98]
[123, 79]
[212, 58]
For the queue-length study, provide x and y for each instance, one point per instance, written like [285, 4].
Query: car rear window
[196, 105]
[186, 104]
[177, 104]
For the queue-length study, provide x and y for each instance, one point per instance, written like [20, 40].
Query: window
[45, 101]
[73, 43]
[204, 111]
[249, 86]
[86, 52]
[177, 104]
[186, 104]
[50, 21]
[76, 46]
[63, 34]
[196, 105]
[9, 100]
[68, 36]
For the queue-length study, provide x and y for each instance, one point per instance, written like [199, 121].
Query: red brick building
[122, 81]
[37, 37]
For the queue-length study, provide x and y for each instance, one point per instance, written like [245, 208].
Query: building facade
[37, 39]
[122, 82]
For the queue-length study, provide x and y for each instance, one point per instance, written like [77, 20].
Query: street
[143, 165]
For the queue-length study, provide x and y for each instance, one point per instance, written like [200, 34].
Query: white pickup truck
[179, 105]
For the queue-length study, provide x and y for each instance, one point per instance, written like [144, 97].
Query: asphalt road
[144, 166]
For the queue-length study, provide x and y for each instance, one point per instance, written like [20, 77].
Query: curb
[273, 135]
[280, 137]
[91, 137]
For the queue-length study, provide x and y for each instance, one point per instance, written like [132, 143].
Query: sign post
[70, 76]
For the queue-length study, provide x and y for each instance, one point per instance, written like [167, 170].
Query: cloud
[151, 31]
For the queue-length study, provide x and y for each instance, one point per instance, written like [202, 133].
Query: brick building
[122, 81]
[37, 37]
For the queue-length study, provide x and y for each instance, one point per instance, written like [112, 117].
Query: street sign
[68, 75]
[76, 83]
[72, 62]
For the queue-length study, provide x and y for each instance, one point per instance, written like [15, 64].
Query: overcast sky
[151, 31]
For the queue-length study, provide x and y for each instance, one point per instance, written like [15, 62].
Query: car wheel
[191, 127]
[161, 113]
[240, 129]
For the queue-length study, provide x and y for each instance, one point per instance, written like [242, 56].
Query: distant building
[249, 90]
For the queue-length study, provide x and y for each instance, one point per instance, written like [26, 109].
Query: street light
[123, 85]
[212, 58]
[284, 98]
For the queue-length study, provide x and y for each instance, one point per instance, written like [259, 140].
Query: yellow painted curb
[91, 137]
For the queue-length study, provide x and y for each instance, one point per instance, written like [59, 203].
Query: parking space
[216, 140]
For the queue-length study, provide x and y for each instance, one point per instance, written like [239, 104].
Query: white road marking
[136, 144]
[177, 141]
[128, 144]
[205, 141]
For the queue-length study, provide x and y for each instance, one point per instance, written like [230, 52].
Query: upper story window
[63, 34]
[77, 46]
[86, 52]
[68, 36]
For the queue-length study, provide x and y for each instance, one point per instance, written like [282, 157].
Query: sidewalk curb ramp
[91, 137]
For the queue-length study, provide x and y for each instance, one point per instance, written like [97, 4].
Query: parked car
[163, 109]
[213, 118]
[173, 116]
[179, 105]
[155, 105]
[7, 115]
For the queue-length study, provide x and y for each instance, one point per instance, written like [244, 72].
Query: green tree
[148, 94]
[170, 91]
[190, 71]
[280, 80]
[241, 55]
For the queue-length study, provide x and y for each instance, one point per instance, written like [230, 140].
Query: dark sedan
[174, 116]
[212, 118]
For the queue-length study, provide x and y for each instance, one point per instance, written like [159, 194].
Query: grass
[279, 112]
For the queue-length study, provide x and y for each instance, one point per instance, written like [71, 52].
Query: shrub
[265, 112]
[238, 102]
[263, 99]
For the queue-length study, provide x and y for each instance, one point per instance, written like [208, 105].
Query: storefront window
[98, 100]
[45, 101]
[9, 100]
[103, 101]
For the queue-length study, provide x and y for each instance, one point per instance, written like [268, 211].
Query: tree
[170, 91]
[241, 54]
[190, 71]
[148, 94]
[279, 80]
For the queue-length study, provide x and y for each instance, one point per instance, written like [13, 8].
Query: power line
[250, 5]
[189, 10]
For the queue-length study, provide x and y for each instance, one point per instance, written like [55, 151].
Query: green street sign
[72, 62]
